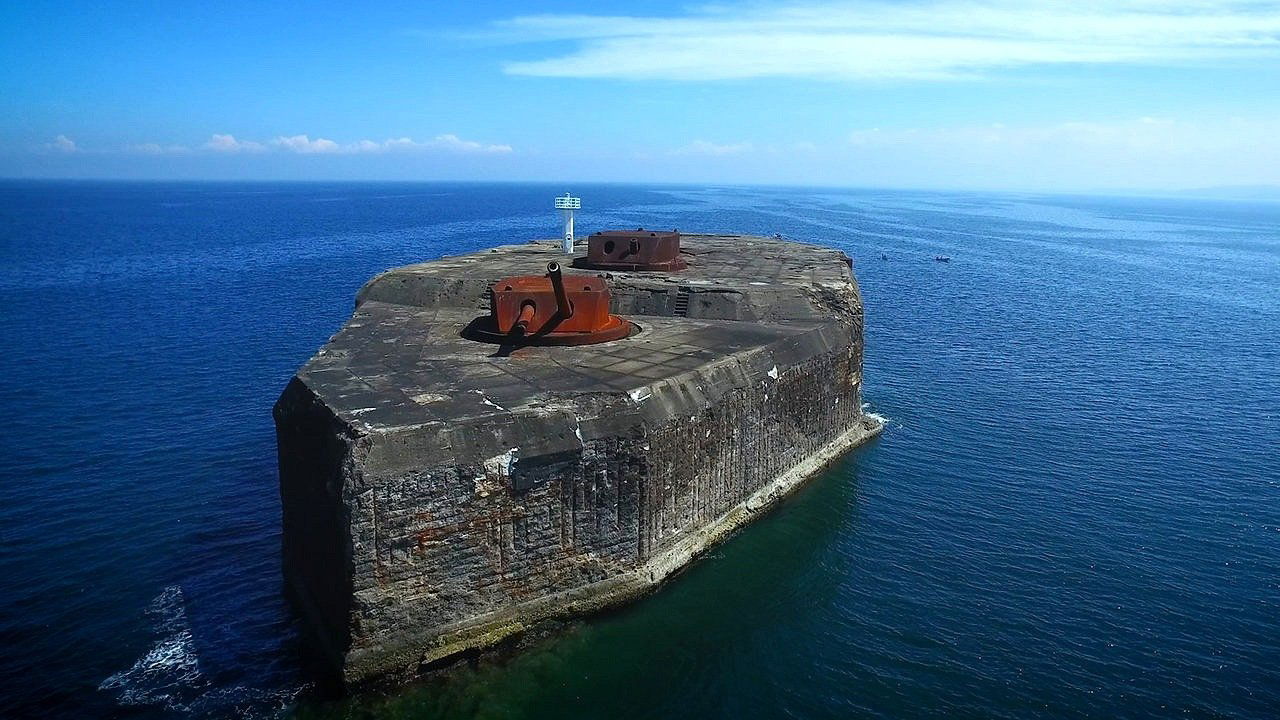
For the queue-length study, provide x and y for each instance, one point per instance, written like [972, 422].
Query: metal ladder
[681, 308]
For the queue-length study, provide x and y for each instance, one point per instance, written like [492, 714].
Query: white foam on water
[169, 675]
[865, 408]
[170, 668]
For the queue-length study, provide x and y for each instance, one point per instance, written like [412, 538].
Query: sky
[1091, 95]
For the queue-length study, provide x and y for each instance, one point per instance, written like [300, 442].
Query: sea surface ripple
[1074, 512]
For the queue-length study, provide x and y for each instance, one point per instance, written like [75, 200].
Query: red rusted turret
[633, 250]
[550, 309]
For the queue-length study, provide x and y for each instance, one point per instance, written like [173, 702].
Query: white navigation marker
[566, 205]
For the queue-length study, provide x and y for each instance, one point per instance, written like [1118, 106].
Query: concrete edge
[489, 631]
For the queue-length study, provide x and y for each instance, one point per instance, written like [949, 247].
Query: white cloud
[448, 142]
[934, 39]
[702, 147]
[157, 149]
[305, 145]
[63, 144]
[1159, 134]
[229, 144]
[1147, 152]
[456, 144]
[301, 144]
[1143, 153]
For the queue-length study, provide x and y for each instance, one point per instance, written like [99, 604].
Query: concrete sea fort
[520, 435]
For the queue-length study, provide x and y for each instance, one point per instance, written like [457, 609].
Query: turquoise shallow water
[1075, 510]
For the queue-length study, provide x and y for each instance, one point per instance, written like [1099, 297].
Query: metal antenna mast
[566, 205]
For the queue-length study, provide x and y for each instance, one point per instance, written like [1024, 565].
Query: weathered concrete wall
[316, 467]
[438, 498]
[712, 461]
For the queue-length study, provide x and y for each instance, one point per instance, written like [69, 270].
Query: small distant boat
[942, 258]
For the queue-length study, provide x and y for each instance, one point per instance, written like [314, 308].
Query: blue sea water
[1075, 510]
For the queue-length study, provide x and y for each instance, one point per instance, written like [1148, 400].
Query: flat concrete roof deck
[395, 365]
[400, 360]
[774, 279]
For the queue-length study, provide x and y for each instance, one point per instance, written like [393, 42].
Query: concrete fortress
[439, 495]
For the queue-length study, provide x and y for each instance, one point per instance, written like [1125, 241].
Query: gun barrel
[565, 308]
[524, 318]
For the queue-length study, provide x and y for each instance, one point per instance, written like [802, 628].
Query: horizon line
[1216, 192]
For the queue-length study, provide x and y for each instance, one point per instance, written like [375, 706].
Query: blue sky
[1000, 94]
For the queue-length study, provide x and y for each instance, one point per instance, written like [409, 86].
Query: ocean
[1074, 511]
